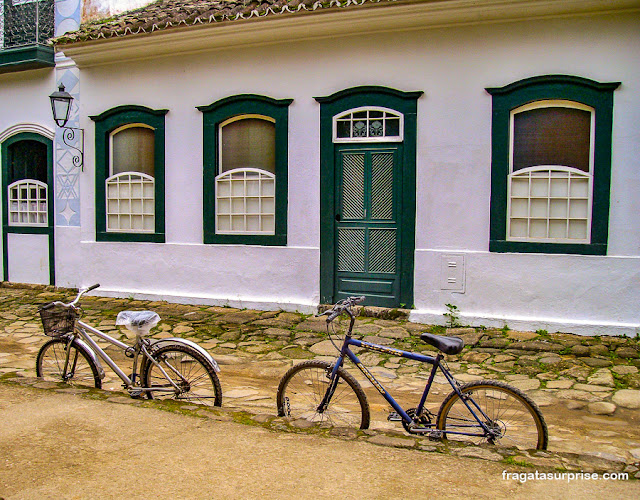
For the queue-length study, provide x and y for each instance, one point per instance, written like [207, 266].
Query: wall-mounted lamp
[61, 107]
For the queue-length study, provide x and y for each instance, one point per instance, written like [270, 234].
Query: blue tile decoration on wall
[67, 18]
[67, 172]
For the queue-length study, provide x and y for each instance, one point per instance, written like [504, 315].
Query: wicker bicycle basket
[57, 321]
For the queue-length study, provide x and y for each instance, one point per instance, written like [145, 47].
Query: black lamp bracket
[69, 138]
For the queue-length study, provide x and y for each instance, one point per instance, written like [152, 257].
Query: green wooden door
[367, 223]
[27, 215]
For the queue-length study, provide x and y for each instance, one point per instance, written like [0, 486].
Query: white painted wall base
[551, 325]
[256, 303]
[587, 295]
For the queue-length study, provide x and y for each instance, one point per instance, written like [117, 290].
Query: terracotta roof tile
[167, 14]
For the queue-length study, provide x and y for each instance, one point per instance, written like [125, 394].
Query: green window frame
[569, 91]
[215, 116]
[106, 124]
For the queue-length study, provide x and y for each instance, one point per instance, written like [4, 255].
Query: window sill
[131, 237]
[502, 246]
[28, 229]
[249, 239]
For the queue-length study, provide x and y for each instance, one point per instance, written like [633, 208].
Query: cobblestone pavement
[588, 388]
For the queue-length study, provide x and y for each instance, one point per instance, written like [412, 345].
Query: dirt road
[55, 445]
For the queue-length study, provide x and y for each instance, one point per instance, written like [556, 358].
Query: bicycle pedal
[420, 430]
[435, 435]
[135, 393]
[394, 417]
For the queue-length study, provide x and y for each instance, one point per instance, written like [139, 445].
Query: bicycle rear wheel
[189, 370]
[80, 371]
[511, 414]
[303, 387]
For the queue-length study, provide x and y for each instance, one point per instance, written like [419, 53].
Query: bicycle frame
[82, 330]
[435, 361]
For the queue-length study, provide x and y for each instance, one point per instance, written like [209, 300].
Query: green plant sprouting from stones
[452, 315]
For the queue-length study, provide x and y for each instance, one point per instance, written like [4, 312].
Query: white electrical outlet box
[452, 275]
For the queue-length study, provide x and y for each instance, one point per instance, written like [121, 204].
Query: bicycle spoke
[50, 364]
[195, 380]
[510, 419]
[306, 389]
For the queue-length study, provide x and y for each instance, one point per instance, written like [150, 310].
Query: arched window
[551, 165]
[245, 184]
[246, 170]
[130, 189]
[551, 172]
[130, 174]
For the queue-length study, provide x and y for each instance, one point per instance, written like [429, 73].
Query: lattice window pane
[28, 205]
[351, 250]
[382, 186]
[382, 251]
[130, 203]
[353, 186]
[245, 202]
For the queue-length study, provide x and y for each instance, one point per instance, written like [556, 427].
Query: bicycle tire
[508, 409]
[199, 376]
[303, 387]
[51, 359]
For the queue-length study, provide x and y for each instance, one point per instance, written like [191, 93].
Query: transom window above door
[368, 124]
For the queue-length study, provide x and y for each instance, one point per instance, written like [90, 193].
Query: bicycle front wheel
[304, 386]
[513, 418]
[193, 374]
[79, 370]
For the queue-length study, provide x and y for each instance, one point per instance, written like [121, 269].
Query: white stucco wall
[24, 98]
[452, 66]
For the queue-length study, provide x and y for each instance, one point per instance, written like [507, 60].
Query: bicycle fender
[200, 349]
[91, 353]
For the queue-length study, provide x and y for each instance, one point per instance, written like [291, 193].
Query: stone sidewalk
[588, 388]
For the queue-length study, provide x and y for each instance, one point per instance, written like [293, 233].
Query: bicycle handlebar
[342, 306]
[74, 302]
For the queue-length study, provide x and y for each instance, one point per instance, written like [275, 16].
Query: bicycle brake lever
[333, 315]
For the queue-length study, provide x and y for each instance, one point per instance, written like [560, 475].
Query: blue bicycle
[481, 411]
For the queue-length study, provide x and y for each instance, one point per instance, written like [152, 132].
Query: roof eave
[327, 24]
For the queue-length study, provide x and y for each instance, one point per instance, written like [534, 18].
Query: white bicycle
[172, 368]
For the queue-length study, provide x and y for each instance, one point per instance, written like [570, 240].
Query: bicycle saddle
[448, 345]
[139, 322]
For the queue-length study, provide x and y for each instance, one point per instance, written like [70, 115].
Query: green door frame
[6, 228]
[402, 102]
